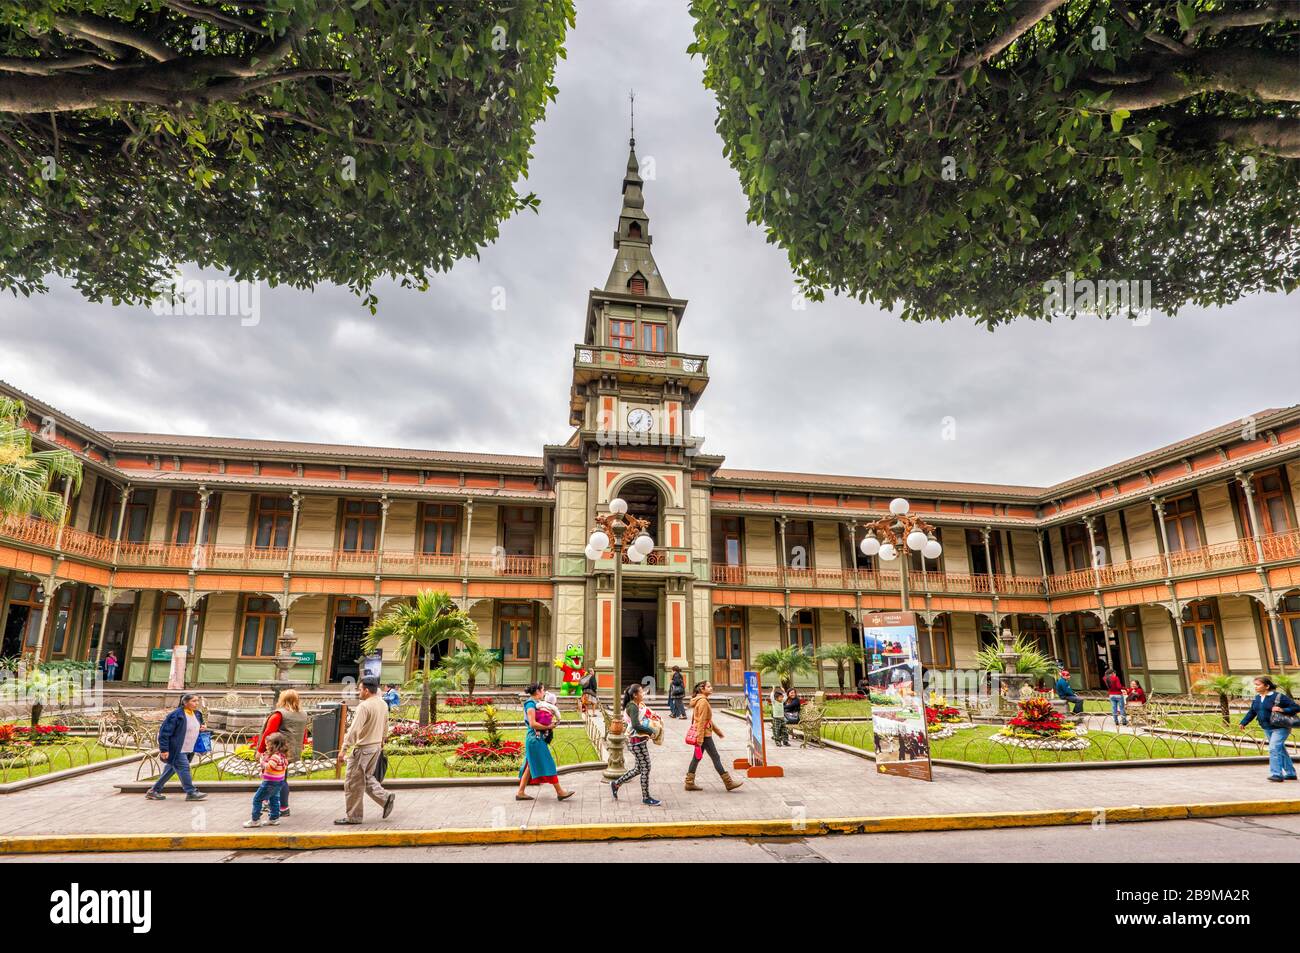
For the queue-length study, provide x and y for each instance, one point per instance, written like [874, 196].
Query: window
[360, 526]
[636, 285]
[728, 635]
[272, 518]
[634, 230]
[803, 631]
[171, 623]
[439, 524]
[138, 508]
[1130, 636]
[934, 642]
[1034, 629]
[654, 337]
[519, 530]
[1072, 634]
[1199, 640]
[62, 617]
[516, 628]
[1078, 545]
[1180, 524]
[261, 627]
[1271, 507]
[726, 538]
[1284, 638]
[979, 557]
[186, 507]
[621, 335]
[798, 543]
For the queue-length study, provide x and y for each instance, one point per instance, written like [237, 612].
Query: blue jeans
[1076, 701]
[1280, 764]
[1119, 709]
[267, 790]
[110, 672]
[179, 765]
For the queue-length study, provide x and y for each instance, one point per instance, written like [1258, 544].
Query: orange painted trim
[677, 630]
[606, 625]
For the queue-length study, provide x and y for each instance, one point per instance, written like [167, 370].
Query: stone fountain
[284, 659]
[1010, 685]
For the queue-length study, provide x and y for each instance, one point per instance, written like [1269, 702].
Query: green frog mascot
[571, 670]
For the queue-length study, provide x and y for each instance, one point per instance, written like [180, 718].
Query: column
[1158, 507]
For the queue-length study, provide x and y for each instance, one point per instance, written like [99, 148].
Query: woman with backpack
[639, 733]
[291, 721]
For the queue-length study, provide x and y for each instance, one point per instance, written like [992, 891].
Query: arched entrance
[640, 633]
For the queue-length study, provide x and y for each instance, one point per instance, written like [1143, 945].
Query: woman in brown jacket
[705, 729]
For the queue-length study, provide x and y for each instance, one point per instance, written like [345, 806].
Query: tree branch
[1278, 136]
[115, 32]
[214, 17]
[1244, 71]
[1276, 11]
[1028, 14]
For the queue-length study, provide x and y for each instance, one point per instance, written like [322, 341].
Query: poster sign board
[756, 766]
[894, 670]
[373, 664]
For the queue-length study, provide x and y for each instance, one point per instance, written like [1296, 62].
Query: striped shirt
[274, 767]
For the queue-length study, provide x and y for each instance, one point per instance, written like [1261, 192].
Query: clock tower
[633, 394]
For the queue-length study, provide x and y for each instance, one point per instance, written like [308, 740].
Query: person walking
[365, 738]
[539, 763]
[110, 666]
[290, 720]
[177, 737]
[1066, 691]
[639, 734]
[701, 733]
[1267, 704]
[275, 765]
[677, 694]
[1115, 691]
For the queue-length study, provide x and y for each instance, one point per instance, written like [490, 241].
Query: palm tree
[26, 474]
[469, 663]
[1286, 683]
[431, 621]
[1225, 686]
[1032, 660]
[785, 664]
[431, 683]
[841, 653]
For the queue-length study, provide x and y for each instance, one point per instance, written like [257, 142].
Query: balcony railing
[78, 543]
[613, 358]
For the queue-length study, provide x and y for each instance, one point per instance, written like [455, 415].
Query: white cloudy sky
[838, 388]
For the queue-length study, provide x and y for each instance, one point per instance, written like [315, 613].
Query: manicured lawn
[570, 746]
[59, 757]
[973, 745]
[1213, 724]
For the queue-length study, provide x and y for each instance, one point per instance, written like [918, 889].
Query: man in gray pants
[365, 738]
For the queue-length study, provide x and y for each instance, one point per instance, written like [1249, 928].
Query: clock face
[640, 420]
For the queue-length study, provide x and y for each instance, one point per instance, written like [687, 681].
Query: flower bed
[38, 735]
[244, 764]
[480, 757]
[1038, 725]
[464, 701]
[408, 736]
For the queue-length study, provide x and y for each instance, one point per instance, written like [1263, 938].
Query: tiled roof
[343, 486]
[877, 483]
[157, 442]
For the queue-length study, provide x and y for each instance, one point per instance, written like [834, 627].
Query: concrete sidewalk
[817, 784]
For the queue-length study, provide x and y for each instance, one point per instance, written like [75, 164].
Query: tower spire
[634, 268]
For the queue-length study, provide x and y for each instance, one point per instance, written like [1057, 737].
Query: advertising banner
[894, 670]
[176, 676]
[373, 664]
[754, 709]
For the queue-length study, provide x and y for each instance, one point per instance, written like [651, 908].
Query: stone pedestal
[615, 765]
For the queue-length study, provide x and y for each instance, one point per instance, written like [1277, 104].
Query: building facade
[1181, 563]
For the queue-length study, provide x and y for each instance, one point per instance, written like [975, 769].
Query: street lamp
[890, 534]
[628, 534]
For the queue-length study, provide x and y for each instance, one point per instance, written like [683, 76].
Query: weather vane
[631, 100]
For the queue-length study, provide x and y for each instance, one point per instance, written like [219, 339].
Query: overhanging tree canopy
[289, 141]
[954, 158]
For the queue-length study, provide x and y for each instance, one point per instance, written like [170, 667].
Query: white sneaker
[252, 823]
[273, 822]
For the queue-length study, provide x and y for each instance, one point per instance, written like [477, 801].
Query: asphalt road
[1235, 839]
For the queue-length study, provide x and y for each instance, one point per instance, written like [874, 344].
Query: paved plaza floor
[818, 784]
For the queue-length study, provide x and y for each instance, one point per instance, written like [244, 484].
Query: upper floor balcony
[76, 543]
[591, 361]
[1218, 557]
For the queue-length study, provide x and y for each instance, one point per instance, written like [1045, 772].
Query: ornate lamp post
[628, 534]
[890, 534]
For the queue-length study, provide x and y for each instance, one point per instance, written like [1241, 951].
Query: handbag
[381, 767]
[203, 744]
[690, 734]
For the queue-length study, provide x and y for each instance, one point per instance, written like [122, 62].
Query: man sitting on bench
[1066, 691]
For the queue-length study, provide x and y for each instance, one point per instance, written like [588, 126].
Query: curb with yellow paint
[345, 839]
